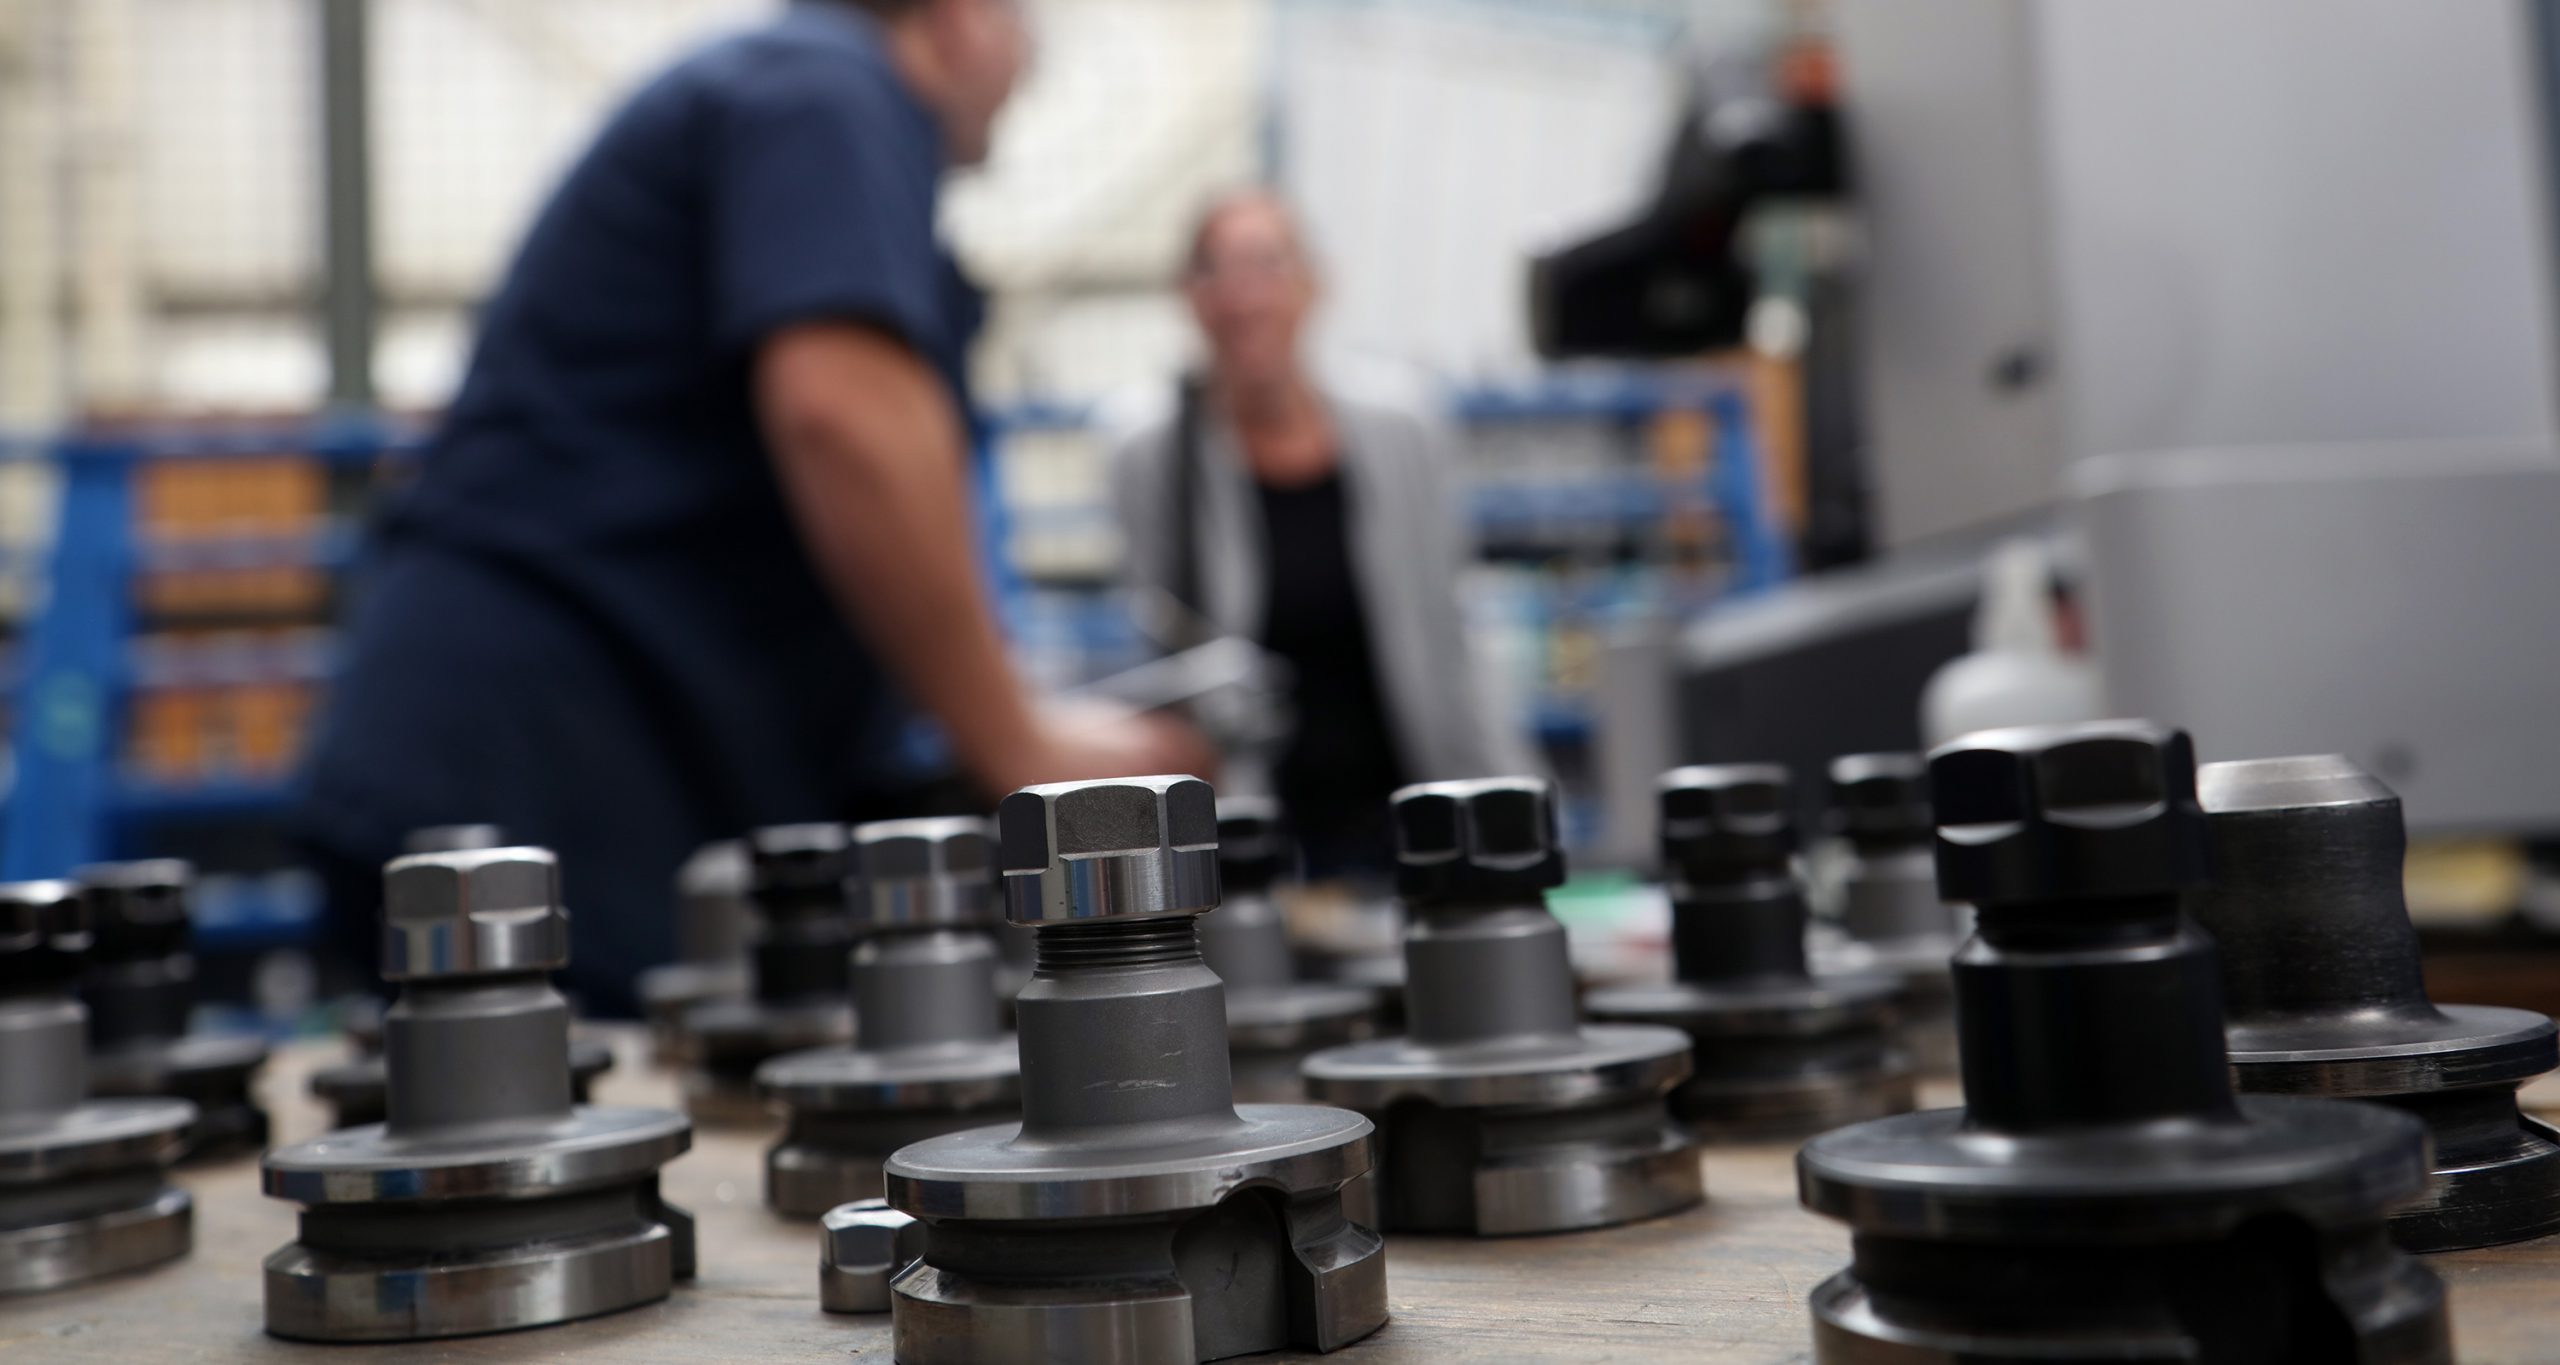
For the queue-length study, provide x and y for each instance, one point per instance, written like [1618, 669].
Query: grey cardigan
[1407, 541]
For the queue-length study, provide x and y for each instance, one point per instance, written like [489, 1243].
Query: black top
[1340, 763]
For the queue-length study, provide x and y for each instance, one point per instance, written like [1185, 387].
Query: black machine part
[2104, 1192]
[1776, 1050]
[1500, 1111]
[799, 971]
[84, 1188]
[140, 990]
[2323, 995]
[1136, 1213]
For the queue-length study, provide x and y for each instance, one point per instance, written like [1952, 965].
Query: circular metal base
[1600, 1063]
[2470, 1045]
[1505, 1141]
[1218, 1238]
[1765, 1110]
[847, 1110]
[1930, 1176]
[318, 1296]
[128, 1233]
[100, 1137]
[1777, 1060]
[355, 1091]
[369, 1165]
[2509, 1198]
[214, 1072]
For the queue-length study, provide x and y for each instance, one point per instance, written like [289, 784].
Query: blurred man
[696, 528]
[1326, 526]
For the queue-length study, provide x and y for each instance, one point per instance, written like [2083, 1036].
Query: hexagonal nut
[799, 869]
[44, 932]
[2099, 810]
[1880, 798]
[1115, 849]
[1253, 842]
[139, 909]
[924, 873]
[1727, 822]
[1489, 839]
[862, 1247]
[475, 912]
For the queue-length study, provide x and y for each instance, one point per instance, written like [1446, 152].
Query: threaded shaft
[1154, 941]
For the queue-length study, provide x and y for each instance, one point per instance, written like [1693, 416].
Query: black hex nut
[799, 869]
[1727, 822]
[1880, 800]
[1253, 843]
[138, 911]
[2100, 810]
[44, 935]
[1490, 839]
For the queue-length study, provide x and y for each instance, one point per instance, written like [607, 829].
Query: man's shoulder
[811, 52]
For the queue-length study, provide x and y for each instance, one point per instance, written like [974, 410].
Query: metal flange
[1500, 1111]
[1136, 1214]
[486, 1200]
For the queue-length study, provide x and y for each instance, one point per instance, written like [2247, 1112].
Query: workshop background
[1992, 258]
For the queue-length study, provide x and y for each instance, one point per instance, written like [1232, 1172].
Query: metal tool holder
[353, 1089]
[1890, 916]
[933, 1057]
[1775, 1051]
[2103, 1195]
[84, 1189]
[2322, 994]
[141, 992]
[713, 919]
[1501, 1111]
[1137, 1214]
[1274, 1020]
[486, 1201]
[799, 973]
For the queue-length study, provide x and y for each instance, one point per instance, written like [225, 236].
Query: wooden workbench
[1726, 1282]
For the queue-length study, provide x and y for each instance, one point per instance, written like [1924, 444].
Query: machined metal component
[934, 1057]
[1890, 915]
[356, 1090]
[2322, 994]
[799, 973]
[141, 990]
[712, 919]
[862, 1246]
[1775, 1051]
[486, 1200]
[1137, 1213]
[84, 1188]
[1273, 1019]
[1501, 1111]
[2103, 1195]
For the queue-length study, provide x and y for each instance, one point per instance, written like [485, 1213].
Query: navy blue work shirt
[591, 619]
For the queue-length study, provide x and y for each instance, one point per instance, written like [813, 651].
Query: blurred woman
[1326, 527]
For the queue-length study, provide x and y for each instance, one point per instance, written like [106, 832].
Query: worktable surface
[1725, 1282]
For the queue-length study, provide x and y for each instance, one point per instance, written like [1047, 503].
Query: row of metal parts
[1091, 1189]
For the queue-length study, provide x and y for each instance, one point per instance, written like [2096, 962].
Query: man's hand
[1083, 740]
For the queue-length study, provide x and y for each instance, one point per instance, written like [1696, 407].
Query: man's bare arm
[871, 454]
